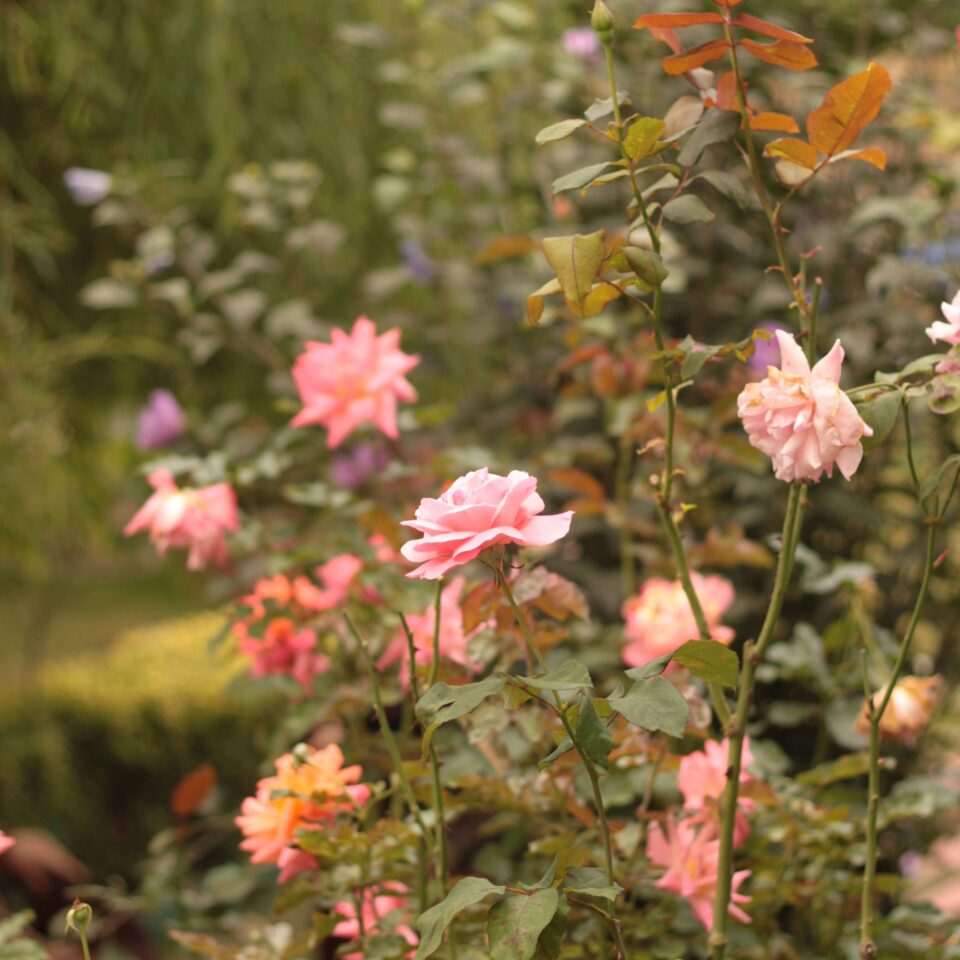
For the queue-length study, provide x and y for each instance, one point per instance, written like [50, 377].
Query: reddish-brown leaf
[504, 248]
[192, 790]
[681, 63]
[765, 29]
[796, 151]
[774, 121]
[671, 21]
[847, 109]
[871, 155]
[727, 92]
[782, 53]
[669, 37]
[573, 479]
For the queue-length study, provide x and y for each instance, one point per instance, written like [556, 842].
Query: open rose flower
[283, 650]
[948, 332]
[355, 379]
[453, 638]
[690, 856]
[377, 904]
[659, 618]
[801, 419]
[479, 510]
[909, 710]
[702, 780]
[5, 842]
[189, 519]
[304, 794]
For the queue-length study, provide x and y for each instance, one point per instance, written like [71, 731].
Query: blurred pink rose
[453, 639]
[948, 332]
[659, 618]
[702, 780]
[357, 378]
[376, 904]
[192, 519]
[690, 858]
[801, 419]
[479, 510]
[285, 651]
[5, 842]
[909, 710]
[582, 42]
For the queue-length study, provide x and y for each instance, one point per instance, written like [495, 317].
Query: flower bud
[301, 754]
[602, 22]
[79, 917]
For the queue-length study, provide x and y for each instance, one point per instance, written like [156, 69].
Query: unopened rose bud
[79, 917]
[602, 22]
[301, 754]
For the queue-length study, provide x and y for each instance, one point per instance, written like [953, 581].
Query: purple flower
[353, 468]
[161, 421]
[767, 352]
[87, 187]
[582, 42]
[419, 265]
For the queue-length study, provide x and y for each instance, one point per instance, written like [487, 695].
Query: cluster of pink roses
[377, 904]
[689, 848]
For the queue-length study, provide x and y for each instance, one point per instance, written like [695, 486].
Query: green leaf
[727, 184]
[710, 661]
[515, 924]
[688, 209]
[443, 702]
[642, 137]
[944, 394]
[576, 261]
[594, 735]
[880, 413]
[654, 704]
[557, 131]
[844, 768]
[647, 265]
[570, 675]
[933, 481]
[551, 940]
[652, 668]
[717, 126]
[109, 294]
[433, 922]
[579, 178]
[13, 946]
[591, 882]
[602, 108]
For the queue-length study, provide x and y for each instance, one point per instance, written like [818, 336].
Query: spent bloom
[801, 419]
[479, 510]
[5, 842]
[690, 857]
[909, 710]
[161, 421]
[87, 187]
[191, 519]
[355, 379]
[659, 618]
[306, 793]
[949, 331]
[453, 639]
[377, 904]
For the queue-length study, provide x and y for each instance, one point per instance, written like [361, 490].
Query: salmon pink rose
[908, 711]
[479, 510]
[5, 842]
[376, 904]
[190, 519]
[801, 419]
[355, 379]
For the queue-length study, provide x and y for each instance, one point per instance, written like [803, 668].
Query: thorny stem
[752, 654]
[588, 764]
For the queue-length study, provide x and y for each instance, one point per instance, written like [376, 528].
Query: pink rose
[801, 419]
[357, 378]
[479, 510]
[284, 650]
[5, 842]
[375, 905]
[702, 780]
[659, 618]
[690, 857]
[948, 332]
[191, 519]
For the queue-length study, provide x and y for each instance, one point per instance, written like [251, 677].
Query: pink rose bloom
[801, 419]
[659, 618]
[5, 842]
[948, 332]
[690, 858]
[376, 904]
[191, 519]
[479, 510]
[357, 378]
[285, 651]
[702, 780]
[453, 639]
[383, 552]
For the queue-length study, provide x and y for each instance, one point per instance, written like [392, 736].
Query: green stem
[561, 712]
[752, 654]
[435, 665]
[83, 944]
[628, 571]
